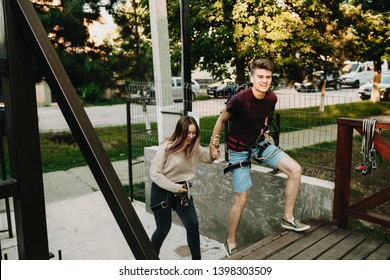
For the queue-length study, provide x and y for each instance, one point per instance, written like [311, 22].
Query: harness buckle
[367, 169]
[360, 167]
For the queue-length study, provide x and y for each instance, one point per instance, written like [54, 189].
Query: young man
[248, 113]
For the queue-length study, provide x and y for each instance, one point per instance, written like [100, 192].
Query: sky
[105, 29]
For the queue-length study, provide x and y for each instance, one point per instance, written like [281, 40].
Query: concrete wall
[43, 94]
[213, 194]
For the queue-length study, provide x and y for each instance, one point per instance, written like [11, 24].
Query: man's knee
[290, 167]
[296, 170]
[240, 200]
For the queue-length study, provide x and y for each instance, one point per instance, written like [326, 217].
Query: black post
[129, 155]
[186, 58]
[3, 169]
[81, 127]
[25, 159]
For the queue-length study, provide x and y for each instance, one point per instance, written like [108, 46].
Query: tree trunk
[375, 96]
[323, 89]
[240, 70]
[322, 104]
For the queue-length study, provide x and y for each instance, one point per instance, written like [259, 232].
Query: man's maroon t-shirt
[249, 114]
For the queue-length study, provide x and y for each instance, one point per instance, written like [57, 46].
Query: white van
[355, 73]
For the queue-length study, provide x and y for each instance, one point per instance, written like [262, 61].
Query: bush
[91, 93]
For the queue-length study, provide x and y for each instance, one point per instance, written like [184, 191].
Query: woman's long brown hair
[179, 137]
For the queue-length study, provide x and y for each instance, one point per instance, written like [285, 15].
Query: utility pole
[186, 55]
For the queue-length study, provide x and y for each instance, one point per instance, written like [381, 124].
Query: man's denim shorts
[241, 176]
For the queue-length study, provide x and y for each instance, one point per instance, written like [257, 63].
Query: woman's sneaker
[227, 250]
[296, 225]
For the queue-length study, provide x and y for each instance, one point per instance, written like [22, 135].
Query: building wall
[43, 94]
[213, 196]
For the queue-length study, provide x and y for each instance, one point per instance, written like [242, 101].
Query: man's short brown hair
[262, 63]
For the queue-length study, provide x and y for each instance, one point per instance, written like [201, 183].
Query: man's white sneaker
[296, 225]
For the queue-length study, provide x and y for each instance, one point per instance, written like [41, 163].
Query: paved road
[51, 118]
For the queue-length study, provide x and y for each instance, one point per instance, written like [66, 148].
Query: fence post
[129, 151]
[343, 172]
[3, 169]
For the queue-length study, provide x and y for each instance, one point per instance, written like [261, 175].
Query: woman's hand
[182, 189]
[214, 148]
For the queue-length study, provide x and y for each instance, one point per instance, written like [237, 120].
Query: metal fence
[302, 139]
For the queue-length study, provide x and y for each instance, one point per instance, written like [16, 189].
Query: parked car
[220, 89]
[227, 87]
[143, 93]
[177, 89]
[355, 73]
[146, 92]
[314, 81]
[384, 88]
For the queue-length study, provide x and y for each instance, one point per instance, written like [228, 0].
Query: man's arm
[219, 124]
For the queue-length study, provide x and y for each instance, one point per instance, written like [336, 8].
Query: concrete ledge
[213, 196]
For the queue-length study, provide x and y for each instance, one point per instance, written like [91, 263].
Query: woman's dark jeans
[163, 218]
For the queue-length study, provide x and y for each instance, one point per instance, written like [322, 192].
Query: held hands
[214, 147]
[182, 189]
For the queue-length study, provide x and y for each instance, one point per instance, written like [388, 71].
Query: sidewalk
[81, 225]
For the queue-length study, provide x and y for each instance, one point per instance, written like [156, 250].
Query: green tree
[86, 62]
[371, 23]
[318, 37]
[375, 5]
[133, 59]
[228, 34]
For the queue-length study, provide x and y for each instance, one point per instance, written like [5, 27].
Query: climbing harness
[239, 146]
[182, 199]
[368, 151]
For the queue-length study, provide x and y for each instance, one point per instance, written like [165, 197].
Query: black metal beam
[83, 130]
[186, 55]
[8, 188]
[23, 143]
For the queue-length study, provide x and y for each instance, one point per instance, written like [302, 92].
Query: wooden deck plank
[322, 246]
[255, 246]
[276, 245]
[299, 246]
[341, 249]
[314, 225]
[382, 253]
[284, 241]
[364, 249]
[322, 241]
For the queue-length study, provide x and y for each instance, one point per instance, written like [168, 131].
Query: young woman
[172, 169]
